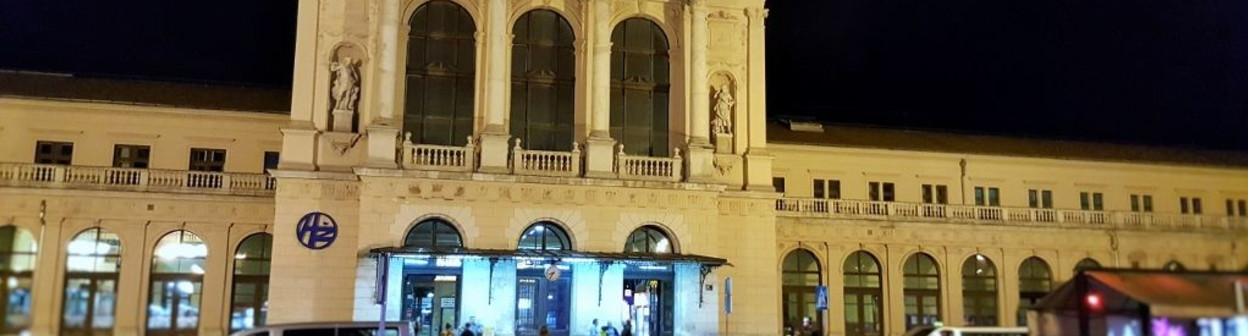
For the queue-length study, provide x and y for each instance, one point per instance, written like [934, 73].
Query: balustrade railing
[135, 179]
[814, 207]
[439, 157]
[546, 163]
[635, 167]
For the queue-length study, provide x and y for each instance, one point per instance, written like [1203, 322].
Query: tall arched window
[176, 284]
[921, 290]
[801, 273]
[648, 239]
[1174, 266]
[433, 233]
[1035, 280]
[979, 291]
[640, 87]
[92, 265]
[1087, 264]
[545, 236]
[543, 74]
[17, 254]
[250, 306]
[441, 70]
[864, 313]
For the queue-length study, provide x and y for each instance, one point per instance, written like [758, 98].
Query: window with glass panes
[249, 307]
[54, 152]
[935, 194]
[545, 236]
[1087, 264]
[433, 233]
[649, 239]
[640, 88]
[176, 284]
[131, 156]
[1190, 205]
[1035, 280]
[801, 274]
[271, 160]
[979, 291]
[93, 263]
[543, 74]
[18, 252]
[207, 160]
[985, 196]
[440, 75]
[830, 189]
[921, 290]
[881, 191]
[1040, 199]
[1141, 203]
[778, 183]
[863, 295]
[1094, 201]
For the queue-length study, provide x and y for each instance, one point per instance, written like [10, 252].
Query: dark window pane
[639, 85]
[440, 72]
[207, 160]
[51, 152]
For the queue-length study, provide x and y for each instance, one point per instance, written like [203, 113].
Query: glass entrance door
[863, 314]
[89, 303]
[541, 302]
[431, 302]
[651, 306]
[173, 309]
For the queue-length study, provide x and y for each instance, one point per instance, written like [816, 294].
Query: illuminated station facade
[520, 164]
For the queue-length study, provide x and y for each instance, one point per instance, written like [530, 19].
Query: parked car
[397, 328]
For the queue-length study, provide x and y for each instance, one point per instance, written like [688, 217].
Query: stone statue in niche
[345, 92]
[722, 124]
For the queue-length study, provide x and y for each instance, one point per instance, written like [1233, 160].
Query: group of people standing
[610, 330]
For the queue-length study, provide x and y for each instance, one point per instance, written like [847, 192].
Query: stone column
[382, 133]
[599, 149]
[494, 139]
[757, 159]
[701, 154]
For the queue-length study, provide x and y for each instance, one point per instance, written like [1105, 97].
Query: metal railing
[838, 208]
[132, 179]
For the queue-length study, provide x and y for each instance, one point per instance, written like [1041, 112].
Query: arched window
[801, 273]
[864, 313]
[17, 267]
[543, 74]
[433, 233]
[648, 239]
[92, 265]
[1035, 280]
[921, 290]
[545, 236]
[640, 87]
[1174, 266]
[250, 306]
[441, 70]
[1087, 264]
[979, 291]
[176, 284]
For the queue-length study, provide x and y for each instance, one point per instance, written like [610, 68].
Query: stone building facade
[520, 163]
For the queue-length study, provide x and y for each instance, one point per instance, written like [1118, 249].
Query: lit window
[176, 288]
[92, 267]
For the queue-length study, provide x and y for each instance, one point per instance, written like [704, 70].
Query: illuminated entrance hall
[544, 281]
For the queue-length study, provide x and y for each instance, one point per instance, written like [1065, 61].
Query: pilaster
[495, 137]
[382, 145]
[600, 148]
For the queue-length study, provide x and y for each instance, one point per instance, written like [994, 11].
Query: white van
[329, 329]
[969, 331]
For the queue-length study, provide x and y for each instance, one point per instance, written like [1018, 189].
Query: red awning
[1170, 294]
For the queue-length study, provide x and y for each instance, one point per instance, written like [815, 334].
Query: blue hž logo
[316, 230]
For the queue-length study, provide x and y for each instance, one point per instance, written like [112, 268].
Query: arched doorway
[650, 290]
[1035, 280]
[542, 300]
[864, 310]
[249, 307]
[801, 274]
[921, 290]
[92, 265]
[1087, 264]
[431, 288]
[979, 291]
[177, 284]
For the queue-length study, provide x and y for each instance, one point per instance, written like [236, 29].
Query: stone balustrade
[837, 208]
[131, 179]
[546, 163]
[645, 168]
[438, 157]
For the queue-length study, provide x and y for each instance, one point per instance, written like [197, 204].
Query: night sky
[1137, 71]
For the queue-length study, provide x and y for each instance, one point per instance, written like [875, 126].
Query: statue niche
[723, 103]
[344, 91]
